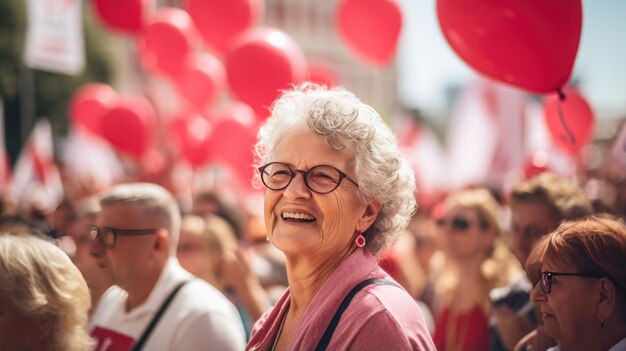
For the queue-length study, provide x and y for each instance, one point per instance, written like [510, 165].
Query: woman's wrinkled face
[568, 311]
[463, 236]
[302, 222]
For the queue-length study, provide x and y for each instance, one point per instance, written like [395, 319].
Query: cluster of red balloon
[127, 122]
[529, 44]
[254, 63]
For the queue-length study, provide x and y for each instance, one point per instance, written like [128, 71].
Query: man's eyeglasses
[320, 179]
[458, 223]
[547, 279]
[108, 235]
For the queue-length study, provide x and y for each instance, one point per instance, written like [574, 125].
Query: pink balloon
[168, 39]
[264, 61]
[231, 144]
[201, 80]
[122, 15]
[324, 73]
[191, 134]
[88, 104]
[370, 29]
[219, 21]
[130, 125]
[531, 44]
[578, 118]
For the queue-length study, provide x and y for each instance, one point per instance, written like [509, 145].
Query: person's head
[43, 297]
[222, 203]
[470, 224]
[98, 278]
[204, 242]
[137, 230]
[586, 304]
[539, 205]
[364, 185]
[472, 236]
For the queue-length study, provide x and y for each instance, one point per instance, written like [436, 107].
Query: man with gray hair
[155, 304]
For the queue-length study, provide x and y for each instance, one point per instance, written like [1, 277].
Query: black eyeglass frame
[545, 282]
[96, 232]
[305, 175]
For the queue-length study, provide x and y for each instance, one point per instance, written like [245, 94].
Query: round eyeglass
[108, 235]
[547, 279]
[321, 179]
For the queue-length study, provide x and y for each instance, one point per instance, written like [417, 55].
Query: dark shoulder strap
[323, 344]
[146, 334]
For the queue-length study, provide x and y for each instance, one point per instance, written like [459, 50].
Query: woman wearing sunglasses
[337, 193]
[580, 270]
[477, 260]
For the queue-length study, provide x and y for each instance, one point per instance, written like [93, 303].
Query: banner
[54, 36]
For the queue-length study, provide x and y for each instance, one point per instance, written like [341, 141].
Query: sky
[428, 67]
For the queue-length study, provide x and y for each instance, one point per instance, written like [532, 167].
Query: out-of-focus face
[463, 237]
[301, 222]
[132, 254]
[568, 311]
[18, 332]
[194, 255]
[98, 278]
[530, 221]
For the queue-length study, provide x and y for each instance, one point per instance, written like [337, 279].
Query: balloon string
[562, 97]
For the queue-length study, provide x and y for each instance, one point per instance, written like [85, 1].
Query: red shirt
[467, 331]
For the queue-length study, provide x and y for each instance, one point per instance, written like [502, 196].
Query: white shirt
[198, 318]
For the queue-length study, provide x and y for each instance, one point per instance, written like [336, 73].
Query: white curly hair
[340, 118]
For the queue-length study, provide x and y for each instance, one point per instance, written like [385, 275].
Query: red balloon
[219, 21]
[531, 44]
[88, 104]
[201, 80]
[231, 144]
[578, 121]
[191, 134]
[122, 15]
[324, 73]
[130, 125]
[370, 29]
[168, 39]
[263, 62]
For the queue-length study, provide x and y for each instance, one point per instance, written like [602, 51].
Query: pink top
[380, 317]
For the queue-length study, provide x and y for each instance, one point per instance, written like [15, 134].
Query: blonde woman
[43, 297]
[477, 260]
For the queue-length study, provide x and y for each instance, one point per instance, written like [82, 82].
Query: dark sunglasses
[457, 223]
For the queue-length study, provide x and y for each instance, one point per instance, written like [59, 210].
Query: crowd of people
[345, 258]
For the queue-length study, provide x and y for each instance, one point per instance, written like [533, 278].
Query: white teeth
[294, 215]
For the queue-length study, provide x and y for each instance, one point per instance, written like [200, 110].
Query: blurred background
[182, 86]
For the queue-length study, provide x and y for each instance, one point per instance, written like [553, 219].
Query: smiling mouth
[297, 217]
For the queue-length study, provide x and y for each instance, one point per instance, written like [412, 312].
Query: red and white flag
[36, 181]
[485, 139]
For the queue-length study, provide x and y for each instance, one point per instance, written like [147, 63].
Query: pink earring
[360, 240]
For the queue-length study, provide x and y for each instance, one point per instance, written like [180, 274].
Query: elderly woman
[580, 271]
[338, 191]
[43, 297]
